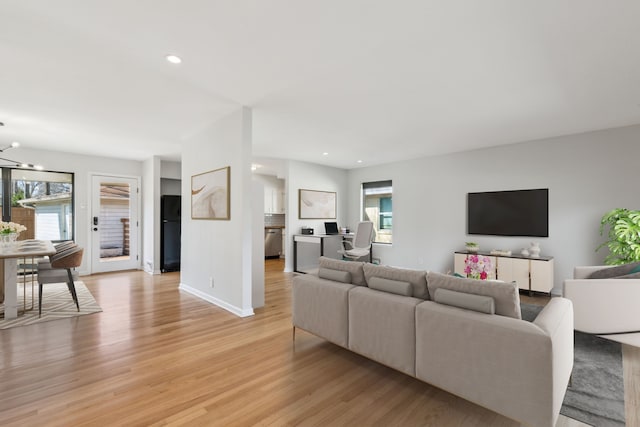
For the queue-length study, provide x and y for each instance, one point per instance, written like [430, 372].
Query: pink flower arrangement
[477, 267]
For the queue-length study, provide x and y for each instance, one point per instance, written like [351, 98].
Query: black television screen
[509, 213]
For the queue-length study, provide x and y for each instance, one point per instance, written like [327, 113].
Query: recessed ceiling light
[359, 161]
[174, 59]
[325, 154]
[15, 144]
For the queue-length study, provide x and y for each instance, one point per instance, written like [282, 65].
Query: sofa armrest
[604, 306]
[556, 320]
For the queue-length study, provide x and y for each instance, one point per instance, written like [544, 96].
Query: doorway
[114, 223]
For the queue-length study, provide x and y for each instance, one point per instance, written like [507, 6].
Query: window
[41, 201]
[377, 207]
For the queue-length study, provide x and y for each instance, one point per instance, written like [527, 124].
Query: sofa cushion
[353, 267]
[505, 295]
[417, 278]
[382, 326]
[321, 307]
[610, 272]
[392, 286]
[335, 275]
[498, 362]
[483, 304]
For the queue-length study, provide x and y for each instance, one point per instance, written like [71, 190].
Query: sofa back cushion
[505, 295]
[480, 303]
[353, 267]
[335, 275]
[611, 272]
[417, 278]
[392, 286]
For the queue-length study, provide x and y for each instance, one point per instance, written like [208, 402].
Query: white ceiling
[367, 80]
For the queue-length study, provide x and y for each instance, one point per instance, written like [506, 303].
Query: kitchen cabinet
[273, 200]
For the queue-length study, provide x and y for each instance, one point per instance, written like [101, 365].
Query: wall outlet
[211, 282]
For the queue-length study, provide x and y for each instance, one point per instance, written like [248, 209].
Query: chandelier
[16, 163]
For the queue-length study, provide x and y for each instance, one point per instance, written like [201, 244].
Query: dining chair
[60, 270]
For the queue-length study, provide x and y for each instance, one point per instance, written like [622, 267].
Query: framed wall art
[210, 194]
[314, 204]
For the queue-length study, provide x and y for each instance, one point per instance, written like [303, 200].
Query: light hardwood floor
[156, 356]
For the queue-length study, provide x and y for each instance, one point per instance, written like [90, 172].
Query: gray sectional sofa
[461, 335]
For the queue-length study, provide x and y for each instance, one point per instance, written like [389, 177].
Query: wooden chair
[60, 270]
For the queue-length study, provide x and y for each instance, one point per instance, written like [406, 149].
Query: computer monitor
[331, 228]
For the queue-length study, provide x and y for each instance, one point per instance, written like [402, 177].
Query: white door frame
[137, 231]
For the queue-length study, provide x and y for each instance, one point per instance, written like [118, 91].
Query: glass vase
[8, 239]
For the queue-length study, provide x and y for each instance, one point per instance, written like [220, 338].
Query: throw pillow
[629, 276]
[610, 272]
[635, 270]
[480, 303]
[335, 275]
[353, 267]
[391, 286]
[417, 278]
[505, 295]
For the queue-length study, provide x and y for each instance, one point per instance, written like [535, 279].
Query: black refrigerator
[170, 233]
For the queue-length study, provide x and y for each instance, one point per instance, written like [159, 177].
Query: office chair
[361, 244]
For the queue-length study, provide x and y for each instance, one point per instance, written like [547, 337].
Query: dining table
[10, 253]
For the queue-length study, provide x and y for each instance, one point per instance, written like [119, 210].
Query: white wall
[309, 176]
[257, 293]
[81, 166]
[221, 250]
[170, 178]
[587, 175]
[170, 187]
[151, 215]
[171, 170]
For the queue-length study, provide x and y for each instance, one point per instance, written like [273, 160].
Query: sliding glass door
[41, 201]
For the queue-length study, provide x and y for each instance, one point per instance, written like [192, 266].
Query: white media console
[530, 274]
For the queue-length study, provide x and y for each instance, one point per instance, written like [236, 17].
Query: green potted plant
[624, 236]
[472, 247]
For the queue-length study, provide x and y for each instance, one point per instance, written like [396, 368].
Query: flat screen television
[509, 213]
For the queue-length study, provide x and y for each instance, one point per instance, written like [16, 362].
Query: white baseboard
[215, 301]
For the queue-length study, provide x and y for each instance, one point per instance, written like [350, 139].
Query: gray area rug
[596, 396]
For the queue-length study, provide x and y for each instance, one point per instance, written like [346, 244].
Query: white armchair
[603, 306]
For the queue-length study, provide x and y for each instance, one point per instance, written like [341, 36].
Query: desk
[323, 245]
[9, 256]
